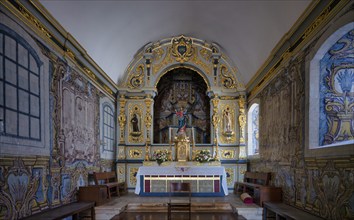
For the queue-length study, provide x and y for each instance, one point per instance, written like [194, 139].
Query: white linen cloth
[188, 170]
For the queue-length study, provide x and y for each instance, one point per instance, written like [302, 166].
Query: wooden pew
[253, 180]
[257, 185]
[109, 180]
[72, 209]
[282, 211]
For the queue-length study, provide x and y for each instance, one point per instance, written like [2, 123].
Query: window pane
[2, 122]
[10, 72]
[22, 56]
[33, 65]
[112, 133]
[23, 125]
[10, 48]
[34, 106]
[23, 101]
[1, 40]
[112, 122]
[1, 67]
[1, 113]
[34, 84]
[2, 94]
[11, 96]
[34, 128]
[11, 122]
[108, 144]
[23, 78]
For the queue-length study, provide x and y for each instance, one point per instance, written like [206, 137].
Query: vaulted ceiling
[113, 31]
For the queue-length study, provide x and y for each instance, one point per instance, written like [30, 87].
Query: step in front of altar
[196, 207]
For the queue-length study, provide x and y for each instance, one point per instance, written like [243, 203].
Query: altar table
[205, 180]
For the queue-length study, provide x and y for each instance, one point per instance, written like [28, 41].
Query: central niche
[184, 90]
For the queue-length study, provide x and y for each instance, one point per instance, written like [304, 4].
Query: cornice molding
[39, 20]
[315, 17]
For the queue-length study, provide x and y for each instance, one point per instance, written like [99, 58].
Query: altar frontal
[206, 179]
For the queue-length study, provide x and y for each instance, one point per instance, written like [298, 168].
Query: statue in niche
[182, 121]
[135, 123]
[227, 117]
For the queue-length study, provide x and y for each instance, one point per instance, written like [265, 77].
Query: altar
[205, 179]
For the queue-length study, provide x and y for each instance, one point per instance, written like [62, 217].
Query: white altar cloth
[181, 170]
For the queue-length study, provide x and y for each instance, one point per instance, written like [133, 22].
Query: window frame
[312, 148]
[108, 128]
[17, 146]
[250, 146]
[5, 58]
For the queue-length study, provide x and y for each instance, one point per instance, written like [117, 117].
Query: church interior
[271, 138]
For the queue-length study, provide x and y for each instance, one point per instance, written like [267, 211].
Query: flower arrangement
[160, 156]
[204, 156]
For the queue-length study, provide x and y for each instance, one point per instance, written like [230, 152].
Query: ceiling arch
[112, 31]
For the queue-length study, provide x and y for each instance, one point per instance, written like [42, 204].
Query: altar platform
[207, 179]
[135, 203]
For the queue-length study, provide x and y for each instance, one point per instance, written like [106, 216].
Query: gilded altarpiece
[173, 82]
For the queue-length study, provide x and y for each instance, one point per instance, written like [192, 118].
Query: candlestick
[170, 140]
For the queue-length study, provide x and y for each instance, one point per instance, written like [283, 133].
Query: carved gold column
[215, 121]
[242, 119]
[148, 122]
[122, 119]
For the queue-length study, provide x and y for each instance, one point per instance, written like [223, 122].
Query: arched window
[108, 128]
[331, 121]
[20, 102]
[253, 129]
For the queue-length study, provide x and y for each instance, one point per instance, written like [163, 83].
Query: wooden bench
[109, 180]
[257, 185]
[253, 180]
[283, 211]
[72, 209]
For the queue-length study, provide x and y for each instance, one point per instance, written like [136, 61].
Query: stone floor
[134, 203]
[176, 216]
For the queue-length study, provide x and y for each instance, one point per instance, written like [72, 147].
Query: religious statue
[182, 121]
[135, 123]
[227, 118]
[181, 140]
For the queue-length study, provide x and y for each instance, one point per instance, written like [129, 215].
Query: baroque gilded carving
[136, 79]
[215, 117]
[182, 48]
[228, 154]
[226, 78]
[136, 153]
[132, 175]
[34, 21]
[242, 119]
[205, 66]
[122, 119]
[230, 175]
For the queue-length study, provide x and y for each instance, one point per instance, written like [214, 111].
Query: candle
[169, 135]
[193, 136]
